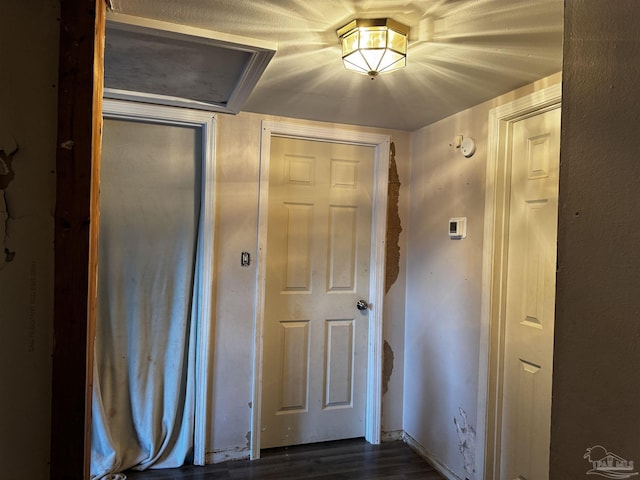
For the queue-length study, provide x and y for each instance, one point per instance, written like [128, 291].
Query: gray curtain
[143, 397]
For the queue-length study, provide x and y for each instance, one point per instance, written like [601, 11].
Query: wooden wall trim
[81, 64]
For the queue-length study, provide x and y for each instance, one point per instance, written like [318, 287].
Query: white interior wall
[444, 281]
[238, 166]
[28, 99]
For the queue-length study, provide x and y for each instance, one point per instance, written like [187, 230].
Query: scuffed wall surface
[444, 285]
[238, 158]
[466, 441]
[28, 98]
[597, 336]
[444, 281]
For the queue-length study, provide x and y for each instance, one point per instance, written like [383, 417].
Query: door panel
[526, 407]
[338, 385]
[295, 360]
[298, 222]
[342, 248]
[317, 263]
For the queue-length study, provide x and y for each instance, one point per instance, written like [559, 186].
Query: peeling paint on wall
[8, 147]
[4, 221]
[6, 170]
[248, 437]
[6, 176]
[393, 223]
[467, 438]
[387, 366]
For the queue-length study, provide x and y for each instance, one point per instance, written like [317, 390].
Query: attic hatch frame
[260, 53]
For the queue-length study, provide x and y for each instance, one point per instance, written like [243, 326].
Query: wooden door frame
[494, 268]
[381, 144]
[206, 122]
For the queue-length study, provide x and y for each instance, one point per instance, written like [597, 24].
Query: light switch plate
[457, 228]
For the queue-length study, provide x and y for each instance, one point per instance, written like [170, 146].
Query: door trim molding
[206, 121]
[494, 262]
[381, 144]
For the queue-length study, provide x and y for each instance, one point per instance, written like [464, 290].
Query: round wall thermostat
[468, 146]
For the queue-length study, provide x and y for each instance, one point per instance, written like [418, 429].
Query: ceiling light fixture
[374, 45]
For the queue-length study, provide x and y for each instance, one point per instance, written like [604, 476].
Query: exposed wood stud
[76, 228]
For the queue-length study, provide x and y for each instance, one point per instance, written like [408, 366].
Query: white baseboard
[392, 436]
[424, 453]
[220, 456]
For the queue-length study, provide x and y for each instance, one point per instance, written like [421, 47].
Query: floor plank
[341, 460]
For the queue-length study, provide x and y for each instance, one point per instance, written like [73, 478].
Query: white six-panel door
[315, 339]
[530, 297]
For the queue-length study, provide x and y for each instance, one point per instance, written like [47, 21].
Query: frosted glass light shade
[374, 46]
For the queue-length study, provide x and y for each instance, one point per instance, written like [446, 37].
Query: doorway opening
[160, 213]
[499, 230]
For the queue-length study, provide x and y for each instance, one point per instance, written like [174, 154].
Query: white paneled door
[531, 273]
[318, 253]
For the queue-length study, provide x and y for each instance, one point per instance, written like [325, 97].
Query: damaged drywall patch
[393, 223]
[7, 174]
[387, 366]
[4, 223]
[227, 454]
[8, 148]
[467, 441]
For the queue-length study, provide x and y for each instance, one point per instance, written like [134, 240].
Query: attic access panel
[164, 63]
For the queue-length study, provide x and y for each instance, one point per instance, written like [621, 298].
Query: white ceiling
[461, 53]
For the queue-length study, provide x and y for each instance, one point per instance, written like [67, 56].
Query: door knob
[362, 305]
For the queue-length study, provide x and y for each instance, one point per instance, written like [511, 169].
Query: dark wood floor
[344, 460]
